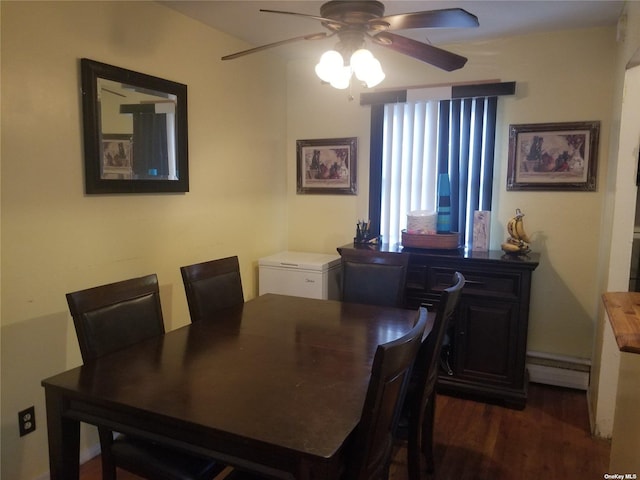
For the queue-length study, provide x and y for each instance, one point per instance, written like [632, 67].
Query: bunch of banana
[518, 241]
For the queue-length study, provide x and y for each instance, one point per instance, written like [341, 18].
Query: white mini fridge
[301, 274]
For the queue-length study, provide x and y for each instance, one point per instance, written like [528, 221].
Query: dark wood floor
[550, 438]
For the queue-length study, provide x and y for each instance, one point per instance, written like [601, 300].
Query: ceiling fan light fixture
[375, 75]
[330, 63]
[361, 60]
[355, 21]
[341, 78]
[366, 67]
[331, 69]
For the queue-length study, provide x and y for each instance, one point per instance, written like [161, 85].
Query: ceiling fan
[355, 21]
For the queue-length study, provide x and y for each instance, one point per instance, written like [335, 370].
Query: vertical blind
[415, 142]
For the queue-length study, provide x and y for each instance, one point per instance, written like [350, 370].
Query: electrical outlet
[27, 421]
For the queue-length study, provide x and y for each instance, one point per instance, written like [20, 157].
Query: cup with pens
[364, 234]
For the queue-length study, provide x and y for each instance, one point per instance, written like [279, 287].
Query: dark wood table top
[277, 381]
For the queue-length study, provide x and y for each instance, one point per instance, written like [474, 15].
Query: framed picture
[117, 157]
[553, 156]
[327, 166]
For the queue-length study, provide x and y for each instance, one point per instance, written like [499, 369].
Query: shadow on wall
[564, 317]
[31, 351]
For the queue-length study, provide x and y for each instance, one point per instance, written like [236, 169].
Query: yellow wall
[244, 119]
[571, 83]
[55, 239]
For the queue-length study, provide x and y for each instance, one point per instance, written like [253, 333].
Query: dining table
[275, 385]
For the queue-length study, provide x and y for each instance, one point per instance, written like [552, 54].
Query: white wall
[561, 76]
[56, 240]
[625, 442]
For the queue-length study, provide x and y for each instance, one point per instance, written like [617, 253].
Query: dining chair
[374, 278]
[212, 286]
[369, 455]
[419, 407]
[109, 318]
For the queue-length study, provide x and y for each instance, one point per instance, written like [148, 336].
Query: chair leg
[108, 463]
[413, 448]
[427, 432]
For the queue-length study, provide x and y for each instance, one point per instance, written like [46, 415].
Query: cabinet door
[417, 292]
[486, 342]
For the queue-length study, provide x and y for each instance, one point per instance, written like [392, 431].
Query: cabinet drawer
[416, 277]
[495, 284]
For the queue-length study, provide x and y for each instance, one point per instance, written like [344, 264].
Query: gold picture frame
[553, 156]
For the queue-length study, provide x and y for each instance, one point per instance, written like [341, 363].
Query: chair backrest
[374, 278]
[111, 317]
[370, 454]
[425, 373]
[212, 286]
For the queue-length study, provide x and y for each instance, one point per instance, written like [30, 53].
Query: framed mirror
[135, 131]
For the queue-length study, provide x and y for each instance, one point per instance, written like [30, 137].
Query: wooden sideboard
[484, 353]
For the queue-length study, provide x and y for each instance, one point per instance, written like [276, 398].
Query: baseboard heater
[559, 370]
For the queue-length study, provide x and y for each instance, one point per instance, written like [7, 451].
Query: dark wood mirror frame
[96, 179]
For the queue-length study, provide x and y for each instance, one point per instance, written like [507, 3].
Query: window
[413, 142]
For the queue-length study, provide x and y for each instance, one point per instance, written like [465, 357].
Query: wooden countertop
[623, 309]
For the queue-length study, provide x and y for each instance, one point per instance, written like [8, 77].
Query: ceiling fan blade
[328, 22]
[427, 53]
[445, 18]
[312, 36]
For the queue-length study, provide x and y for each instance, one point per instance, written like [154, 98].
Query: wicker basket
[439, 241]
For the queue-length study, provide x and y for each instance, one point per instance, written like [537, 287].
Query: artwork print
[327, 166]
[117, 157]
[553, 156]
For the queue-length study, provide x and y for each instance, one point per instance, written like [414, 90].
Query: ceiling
[497, 18]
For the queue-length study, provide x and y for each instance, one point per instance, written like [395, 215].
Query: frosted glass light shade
[360, 61]
[367, 68]
[342, 78]
[330, 62]
[375, 75]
